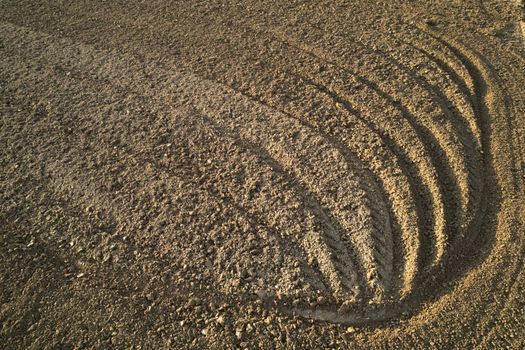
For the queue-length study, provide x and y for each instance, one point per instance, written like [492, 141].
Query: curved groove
[452, 155]
[339, 271]
[404, 161]
[381, 185]
[379, 281]
[465, 108]
[466, 141]
[473, 174]
[394, 185]
[424, 136]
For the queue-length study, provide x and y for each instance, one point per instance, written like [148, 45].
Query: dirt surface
[258, 174]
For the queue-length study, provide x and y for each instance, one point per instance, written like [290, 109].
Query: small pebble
[221, 319]
[239, 333]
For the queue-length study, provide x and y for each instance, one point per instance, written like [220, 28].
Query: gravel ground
[262, 175]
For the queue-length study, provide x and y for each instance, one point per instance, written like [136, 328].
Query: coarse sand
[262, 174]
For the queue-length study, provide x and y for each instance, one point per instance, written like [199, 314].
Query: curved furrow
[434, 76]
[378, 213]
[311, 109]
[339, 268]
[291, 211]
[370, 259]
[465, 141]
[462, 72]
[285, 208]
[263, 203]
[492, 104]
[326, 172]
[397, 131]
[420, 101]
[459, 93]
[269, 198]
[451, 173]
[470, 138]
[415, 162]
[468, 154]
[360, 231]
[372, 150]
[321, 240]
[446, 57]
[363, 223]
[456, 68]
[470, 135]
[486, 83]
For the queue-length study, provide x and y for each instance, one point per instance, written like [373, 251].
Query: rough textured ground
[262, 174]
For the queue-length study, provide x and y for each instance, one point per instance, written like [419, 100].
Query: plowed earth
[288, 174]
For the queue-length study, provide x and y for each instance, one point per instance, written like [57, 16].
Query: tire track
[333, 238]
[382, 256]
[376, 178]
[395, 181]
[370, 158]
[368, 125]
[489, 86]
[454, 158]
